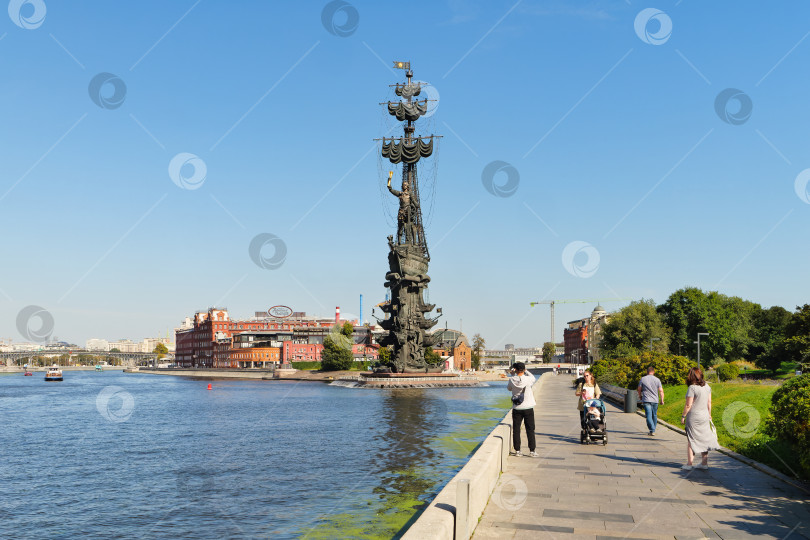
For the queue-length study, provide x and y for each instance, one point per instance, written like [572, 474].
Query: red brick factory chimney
[337, 315]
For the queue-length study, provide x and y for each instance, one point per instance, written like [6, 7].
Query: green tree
[796, 346]
[627, 371]
[337, 349]
[431, 357]
[629, 331]
[770, 326]
[478, 345]
[384, 355]
[347, 329]
[549, 350]
[115, 349]
[729, 320]
[161, 350]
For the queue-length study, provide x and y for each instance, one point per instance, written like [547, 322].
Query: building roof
[446, 337]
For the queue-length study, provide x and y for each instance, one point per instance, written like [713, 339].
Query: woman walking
[697, 418]
[588, 389]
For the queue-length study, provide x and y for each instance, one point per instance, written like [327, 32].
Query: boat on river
[53, 374]
[28, 373]
[99, 367]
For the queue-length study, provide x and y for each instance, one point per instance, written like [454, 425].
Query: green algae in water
[404, 492]
[382, 516]
[473, 428]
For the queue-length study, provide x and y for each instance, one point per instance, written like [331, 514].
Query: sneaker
[535, 454]
[652, 434]
[687, 467]
[518, 454]
[702, 467]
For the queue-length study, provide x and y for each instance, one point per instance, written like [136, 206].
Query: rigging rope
[427, 168]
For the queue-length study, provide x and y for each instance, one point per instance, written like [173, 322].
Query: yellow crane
[551, 304]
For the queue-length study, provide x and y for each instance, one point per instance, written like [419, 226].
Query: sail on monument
[406, 312]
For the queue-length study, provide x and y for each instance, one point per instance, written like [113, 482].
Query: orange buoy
[209, 386]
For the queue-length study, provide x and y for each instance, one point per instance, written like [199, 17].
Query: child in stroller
[594, 425]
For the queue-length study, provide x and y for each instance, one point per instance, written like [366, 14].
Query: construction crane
[551, 304]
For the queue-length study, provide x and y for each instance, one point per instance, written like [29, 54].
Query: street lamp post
[698, 346]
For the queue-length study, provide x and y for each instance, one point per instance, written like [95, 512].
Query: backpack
[518, 399]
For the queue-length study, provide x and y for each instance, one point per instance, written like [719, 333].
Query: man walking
[520, 383]
[648, 390]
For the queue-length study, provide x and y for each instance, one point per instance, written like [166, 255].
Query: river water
[114, 455]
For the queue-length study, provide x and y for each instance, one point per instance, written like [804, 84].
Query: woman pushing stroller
[587, 389]
[591, 410]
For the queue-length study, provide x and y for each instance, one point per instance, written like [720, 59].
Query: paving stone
[493, 533]
[539, 495]
[583, 488]
[587, 515]
[623, 537]
[533, 527]
[534, 535]
[563, 467]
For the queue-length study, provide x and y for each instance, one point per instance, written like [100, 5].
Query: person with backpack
[520, 384]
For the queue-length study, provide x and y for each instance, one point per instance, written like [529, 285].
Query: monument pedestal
[415, 380]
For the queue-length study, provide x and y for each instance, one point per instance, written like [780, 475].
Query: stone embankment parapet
[456, 509]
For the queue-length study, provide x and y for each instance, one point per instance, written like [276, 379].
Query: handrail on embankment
[454, 513]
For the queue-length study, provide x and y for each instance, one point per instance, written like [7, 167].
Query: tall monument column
[408, 256]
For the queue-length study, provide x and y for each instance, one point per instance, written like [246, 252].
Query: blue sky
[616, 141]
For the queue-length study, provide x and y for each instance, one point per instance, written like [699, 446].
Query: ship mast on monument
[408, 257]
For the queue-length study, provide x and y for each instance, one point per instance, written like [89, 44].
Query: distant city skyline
[160, 158]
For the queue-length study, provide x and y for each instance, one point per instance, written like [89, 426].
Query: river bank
[268, 374]
[19, 369]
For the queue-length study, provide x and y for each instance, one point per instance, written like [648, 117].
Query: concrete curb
[739, 457]
[743, 459]
[473, 485]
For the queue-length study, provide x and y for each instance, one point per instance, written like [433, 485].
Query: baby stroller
[594, 427]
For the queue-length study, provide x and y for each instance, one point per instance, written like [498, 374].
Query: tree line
[737, 329]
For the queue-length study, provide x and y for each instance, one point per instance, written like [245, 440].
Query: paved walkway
[633, 487]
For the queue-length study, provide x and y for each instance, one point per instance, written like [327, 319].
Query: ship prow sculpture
[407, 322]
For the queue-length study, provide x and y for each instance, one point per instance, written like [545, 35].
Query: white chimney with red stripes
[337, 315]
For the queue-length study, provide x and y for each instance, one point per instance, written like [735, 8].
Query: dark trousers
[518, 417]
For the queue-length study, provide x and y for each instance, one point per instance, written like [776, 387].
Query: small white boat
[53, 374]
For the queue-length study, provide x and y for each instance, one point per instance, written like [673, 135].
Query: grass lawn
[739, 411]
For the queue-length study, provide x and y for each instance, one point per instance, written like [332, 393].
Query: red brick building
[452, 343]
[576, 342]
[462, 354]
[215, 340]
[583, 337]
[366, 351]
[253, 357]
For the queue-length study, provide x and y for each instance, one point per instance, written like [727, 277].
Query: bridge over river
[128, 359]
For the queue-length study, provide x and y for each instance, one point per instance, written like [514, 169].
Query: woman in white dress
[697, 418]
